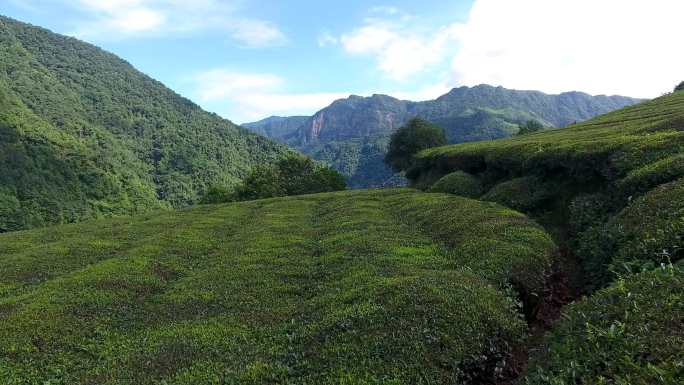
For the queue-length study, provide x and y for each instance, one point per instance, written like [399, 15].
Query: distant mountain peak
[351, 133]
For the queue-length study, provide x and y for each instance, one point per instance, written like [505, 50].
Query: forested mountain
[352, 134]
[85, 135]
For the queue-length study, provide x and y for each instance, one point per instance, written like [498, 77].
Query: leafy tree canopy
[293, 175]
[409, 140]
[680, 87]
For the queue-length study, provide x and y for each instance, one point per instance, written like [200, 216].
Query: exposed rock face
[316, 127]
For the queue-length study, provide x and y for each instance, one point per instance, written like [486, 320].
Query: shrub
[458, 183]
[9, 211]
[409, 140]
[644, 179]
[646, 234]
[218, 194]
[631, 333]
[651, 229]
[588, 210]
[596, 248]
[522, 194]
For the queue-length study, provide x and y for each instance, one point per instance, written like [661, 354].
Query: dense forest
[84, 135]
[352, 134]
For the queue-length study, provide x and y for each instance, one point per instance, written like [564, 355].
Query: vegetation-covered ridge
[84, 135]
[612, 191]
[606, 148]
[376, 287]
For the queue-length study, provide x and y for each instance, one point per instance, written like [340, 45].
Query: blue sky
[249, 59]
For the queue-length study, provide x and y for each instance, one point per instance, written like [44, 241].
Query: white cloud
[116, 19]
[257, 33]
[400, 48]
[326, 38]
[626, 47]
[221, 84]
[388, 10]
[252, 96]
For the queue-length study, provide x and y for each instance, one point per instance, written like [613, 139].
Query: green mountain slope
[84, 135]
[375, 287]
[612, 190]
[352, 134]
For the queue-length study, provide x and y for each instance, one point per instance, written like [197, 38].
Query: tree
[262, 182]
[297, 174]
[680, 87]
[530, 126]
[409, 140]
[216, 195]
[293, 175]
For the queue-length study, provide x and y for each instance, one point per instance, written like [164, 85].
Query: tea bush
[523, 194]
[597, 181]
[337, 288]
[458, 183]
[630, 333]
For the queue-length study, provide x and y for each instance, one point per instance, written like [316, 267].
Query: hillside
[342, 288]
[84, 135]
[611, 190]
[352, 134]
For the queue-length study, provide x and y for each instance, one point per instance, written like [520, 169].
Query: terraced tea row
[612, 190]
[391, 287]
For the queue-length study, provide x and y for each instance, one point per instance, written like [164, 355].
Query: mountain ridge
[343, 132]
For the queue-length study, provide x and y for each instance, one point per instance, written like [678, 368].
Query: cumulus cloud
[257, 33]
[626, 47]
[127, 18]
[252, 96]
[400, 48]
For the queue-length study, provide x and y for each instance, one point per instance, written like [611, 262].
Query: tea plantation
[611, 190]
[368, 287]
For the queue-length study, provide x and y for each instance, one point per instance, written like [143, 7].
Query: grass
[375, 287]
